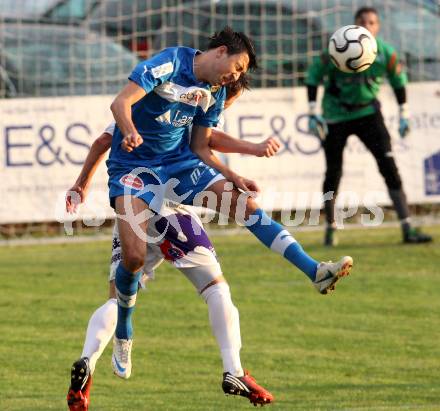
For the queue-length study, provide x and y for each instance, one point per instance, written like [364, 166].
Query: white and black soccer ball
[352, 49]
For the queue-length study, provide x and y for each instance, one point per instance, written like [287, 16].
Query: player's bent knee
[133, 261]
[242, 206]
[133, 258]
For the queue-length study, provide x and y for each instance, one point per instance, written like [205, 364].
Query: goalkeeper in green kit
[350, 107]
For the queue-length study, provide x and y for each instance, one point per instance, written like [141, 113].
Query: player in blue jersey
[191, 253]
[151, 160]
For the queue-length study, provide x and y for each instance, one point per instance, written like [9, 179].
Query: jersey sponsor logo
[170, 251]
[162, 70]
[132, 181]
[193, 96]
[181, 121]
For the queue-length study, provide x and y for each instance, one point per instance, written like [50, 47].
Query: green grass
[372, 345]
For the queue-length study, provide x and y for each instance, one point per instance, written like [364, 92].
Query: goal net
[71, 47]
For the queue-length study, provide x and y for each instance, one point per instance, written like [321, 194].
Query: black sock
[400, 204]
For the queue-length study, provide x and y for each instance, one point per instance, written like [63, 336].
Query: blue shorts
[179, 180]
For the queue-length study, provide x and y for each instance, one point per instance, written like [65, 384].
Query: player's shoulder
[160, 64]
[384, 47]
[184, 50]
[184, 54]
[182, 58]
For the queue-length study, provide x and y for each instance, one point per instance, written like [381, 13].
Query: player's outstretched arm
[78, 192]
[200, 140]
[398, 80]
[225, 143]
[121, 109]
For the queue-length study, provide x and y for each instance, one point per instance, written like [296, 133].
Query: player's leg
[200, 180]
[274, 236]
[132, 234]
[187, 246]
[131, 190]
[225, 325]
[374, 134]
[333, 146]
[223, 315]
[190, 250]
[100, 329]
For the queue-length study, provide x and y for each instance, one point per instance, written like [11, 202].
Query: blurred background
[62, 62]
[373, 345]
[87, 47]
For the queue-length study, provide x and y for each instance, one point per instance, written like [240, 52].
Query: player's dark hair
[236, 42]
[232, 89]
[363, 10]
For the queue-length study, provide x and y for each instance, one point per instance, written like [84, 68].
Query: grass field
[372, 345]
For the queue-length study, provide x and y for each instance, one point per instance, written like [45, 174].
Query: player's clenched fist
[268, 147]
[131, 141]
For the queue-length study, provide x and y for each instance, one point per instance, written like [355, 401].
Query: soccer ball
[352, 49]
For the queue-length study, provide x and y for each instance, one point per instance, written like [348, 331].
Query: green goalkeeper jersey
[350, 96]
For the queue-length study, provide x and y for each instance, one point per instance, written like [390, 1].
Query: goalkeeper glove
[317, 124]
[403, 120]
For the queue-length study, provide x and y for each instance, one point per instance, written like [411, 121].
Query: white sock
[102, 326]
[225, 324]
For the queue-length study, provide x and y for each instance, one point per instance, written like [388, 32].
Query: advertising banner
[44, 142]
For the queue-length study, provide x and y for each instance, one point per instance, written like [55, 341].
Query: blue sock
[126, 284]
[278, 239]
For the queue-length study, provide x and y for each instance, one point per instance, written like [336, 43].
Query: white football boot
[121, 357]
[329, 273]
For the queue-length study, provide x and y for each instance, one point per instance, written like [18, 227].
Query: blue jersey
[175, 99]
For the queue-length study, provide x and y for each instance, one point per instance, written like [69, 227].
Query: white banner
[45, 141]
[292, 178]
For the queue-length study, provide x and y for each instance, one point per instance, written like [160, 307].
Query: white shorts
[185, 245]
